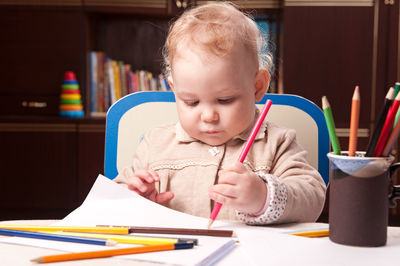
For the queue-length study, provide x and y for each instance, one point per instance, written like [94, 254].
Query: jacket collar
[182, 136]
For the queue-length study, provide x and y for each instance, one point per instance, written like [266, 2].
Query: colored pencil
[355, 114]
[387, 127]
[87, 229]
[244, 152]
[391, 140]
[177, 231]
[311, 233]
[381, 120]
[331, 125]
[396, 89]
[130, 239]
[111, 252]
[74, 239]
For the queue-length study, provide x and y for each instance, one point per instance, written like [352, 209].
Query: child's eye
[191, 102]
[226, 101]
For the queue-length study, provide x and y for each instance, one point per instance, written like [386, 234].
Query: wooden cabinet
[329, 47]
[49, 163]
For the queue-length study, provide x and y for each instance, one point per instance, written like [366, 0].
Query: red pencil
[387, 127]
[243, 154]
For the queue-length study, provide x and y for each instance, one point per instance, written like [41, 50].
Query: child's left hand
[239, 188]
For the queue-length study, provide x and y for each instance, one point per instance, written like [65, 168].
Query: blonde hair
[216, 28]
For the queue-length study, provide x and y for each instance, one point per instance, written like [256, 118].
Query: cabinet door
[38, 45]
[38, 169]
[90, 156]
[328, 50]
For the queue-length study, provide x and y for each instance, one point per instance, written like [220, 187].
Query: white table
[21, 255]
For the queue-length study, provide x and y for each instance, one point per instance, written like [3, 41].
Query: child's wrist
[265, 206]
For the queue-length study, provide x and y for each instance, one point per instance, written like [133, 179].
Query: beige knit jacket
[187, 167]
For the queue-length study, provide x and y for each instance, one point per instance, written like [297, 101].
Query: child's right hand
[143, 183]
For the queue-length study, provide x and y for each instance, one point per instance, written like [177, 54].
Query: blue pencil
[74, 239]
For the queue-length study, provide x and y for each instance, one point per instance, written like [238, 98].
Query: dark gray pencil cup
[358, 203]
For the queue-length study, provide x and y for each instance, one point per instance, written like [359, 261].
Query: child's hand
[143, 183]
[239, 188]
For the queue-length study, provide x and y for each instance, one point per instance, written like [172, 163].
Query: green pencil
[331, 125]
[396, 90]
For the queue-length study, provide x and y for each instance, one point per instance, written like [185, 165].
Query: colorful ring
[70, 96]
[69, 91]
[70, 107]
[70, 86]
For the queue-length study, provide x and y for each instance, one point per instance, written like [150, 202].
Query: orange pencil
[111, 252]
[355, 114]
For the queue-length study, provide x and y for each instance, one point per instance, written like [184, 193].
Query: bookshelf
[50, 162]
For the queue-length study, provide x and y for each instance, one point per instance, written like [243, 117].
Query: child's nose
[209, 115]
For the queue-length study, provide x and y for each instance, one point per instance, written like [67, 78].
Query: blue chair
[131, 116]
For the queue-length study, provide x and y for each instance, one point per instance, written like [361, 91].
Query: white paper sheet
[109, 203]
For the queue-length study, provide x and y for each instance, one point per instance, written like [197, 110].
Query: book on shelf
[112, 79]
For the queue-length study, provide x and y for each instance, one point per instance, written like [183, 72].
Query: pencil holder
[358, 203]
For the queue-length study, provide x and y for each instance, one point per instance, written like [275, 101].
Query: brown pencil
[111, 252]
[177, 231]
[391, 140]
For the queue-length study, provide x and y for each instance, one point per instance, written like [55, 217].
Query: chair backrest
[130, 117]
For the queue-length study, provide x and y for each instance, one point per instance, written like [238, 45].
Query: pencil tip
[390, 93]
[234, 234]
[325, 103]
[210, 222]
[37, 260]
[111, 243]
[356, 94]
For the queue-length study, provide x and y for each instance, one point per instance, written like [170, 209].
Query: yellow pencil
[111, 252]
[316, 233]
[355, 114]
[50, 228]
[130, 239]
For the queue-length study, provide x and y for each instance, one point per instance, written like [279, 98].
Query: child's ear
[170, 82]
[261, 84]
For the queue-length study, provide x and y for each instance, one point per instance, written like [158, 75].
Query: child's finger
[137, 184]
[225, 190]
[154, 175]
[145, 175]
[219, 198]
[228, 177]
[238, 167]
[164, 197]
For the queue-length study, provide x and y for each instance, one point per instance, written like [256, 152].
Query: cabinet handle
[33, 104]
[181, 3]
[389, 2]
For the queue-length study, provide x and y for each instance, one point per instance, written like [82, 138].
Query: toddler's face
[215, 96]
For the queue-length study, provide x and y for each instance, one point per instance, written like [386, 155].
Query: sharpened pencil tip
[111, 243]
[325, 103]
[210, 222]
[356, 94]
[37, 260]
